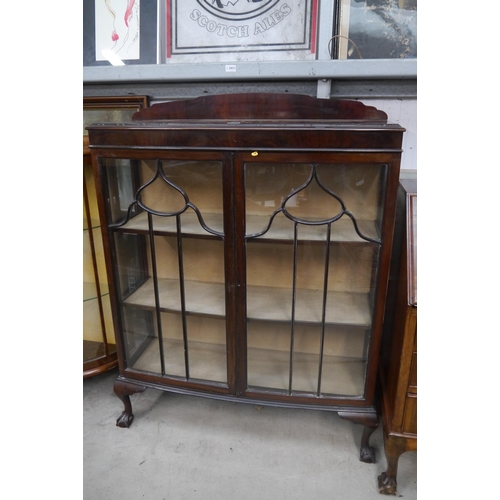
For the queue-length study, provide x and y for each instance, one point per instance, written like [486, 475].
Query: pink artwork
[128, 12]
[117, 29]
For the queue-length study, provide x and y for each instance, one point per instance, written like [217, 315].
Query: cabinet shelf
[207, 361]
[266, 367]
[280, 230]
[94, 224]
[90, 292]
[167, 225]
[270, 368]
[264, 303]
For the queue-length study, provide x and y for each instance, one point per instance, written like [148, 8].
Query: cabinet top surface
[235, 121]
[222, 124]
[250, 123]
[258, 110]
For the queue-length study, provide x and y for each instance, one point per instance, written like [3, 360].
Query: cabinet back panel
[91, 192]
[93, 255]
[270, 369]
[201, 262]
[201, 181]
[271, 264]
[359, 187]
[342, 341]
[92, 326]
[199, 328]
[206, 348]
[206, 361]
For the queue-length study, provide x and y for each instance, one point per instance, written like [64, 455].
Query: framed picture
[120, 32]
[240, 30]
[376, 29]
[111, 109]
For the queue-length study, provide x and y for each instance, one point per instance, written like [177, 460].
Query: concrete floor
[185, 448]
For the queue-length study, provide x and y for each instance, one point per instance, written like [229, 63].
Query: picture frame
[120, 32]
[111, 108]
[207, 31]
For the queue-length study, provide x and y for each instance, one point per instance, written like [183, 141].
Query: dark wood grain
[261, 106]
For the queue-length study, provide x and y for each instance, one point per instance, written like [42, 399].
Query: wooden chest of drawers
[398, 367]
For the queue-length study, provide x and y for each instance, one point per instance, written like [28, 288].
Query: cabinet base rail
[366, 416]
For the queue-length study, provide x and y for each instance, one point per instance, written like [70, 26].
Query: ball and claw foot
[367, 455]
[124, 390]
[387, 484]
[125, 420]
[367, 452]
[370, 424]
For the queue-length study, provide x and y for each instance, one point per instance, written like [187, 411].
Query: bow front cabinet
[248, 240]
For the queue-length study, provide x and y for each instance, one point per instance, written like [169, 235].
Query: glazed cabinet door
[312, 250]
[167, 238]
[99, 346]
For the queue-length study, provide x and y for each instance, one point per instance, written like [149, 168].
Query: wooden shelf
[270, 369]
[95, 224]
[93, 350]
[281, 228]
[189, 220]
[201, 298]
[263, 303]
[206, 361]
[90, 290]
[266, 368]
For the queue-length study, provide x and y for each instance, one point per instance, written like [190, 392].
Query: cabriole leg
[366, 452]
[124, 390]
[387, 483]
[370, 423]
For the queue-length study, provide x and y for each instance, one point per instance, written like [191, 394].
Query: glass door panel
[312, 251]
[99, 347]
[169, 249]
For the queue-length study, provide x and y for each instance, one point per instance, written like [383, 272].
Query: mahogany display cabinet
[99, 346]
[99, 349]
[398, 363]
[248, 241]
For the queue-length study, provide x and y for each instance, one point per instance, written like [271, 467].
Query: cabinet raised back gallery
[248, 240]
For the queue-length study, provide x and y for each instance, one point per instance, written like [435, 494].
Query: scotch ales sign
[246, 30]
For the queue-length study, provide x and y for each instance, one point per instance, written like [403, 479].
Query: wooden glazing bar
[323, 314]
[294, 296]
[183, 293]
[230, 268]
[156, 292]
